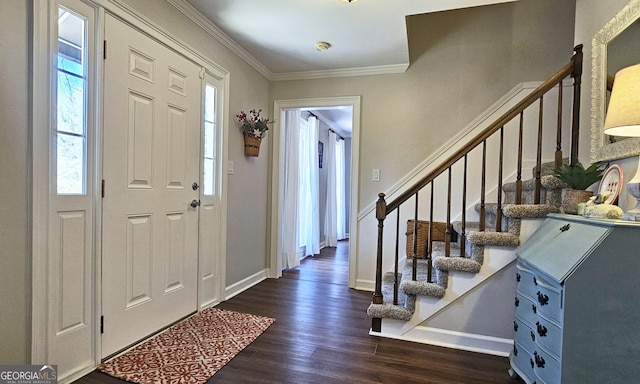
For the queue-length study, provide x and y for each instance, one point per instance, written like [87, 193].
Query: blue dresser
[578, 303]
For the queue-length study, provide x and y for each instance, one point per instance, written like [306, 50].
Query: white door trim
[277, 169]
[44, 40]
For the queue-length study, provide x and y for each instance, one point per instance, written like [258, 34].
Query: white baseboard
[245, 284]
[78, 373]
[365, 285]
[453, 339]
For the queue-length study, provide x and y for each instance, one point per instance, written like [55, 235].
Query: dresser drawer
[546, 367]
[526, 310]
[549, 335]
[522, 360]
[526, 281]
[549, 300]
[524, 334]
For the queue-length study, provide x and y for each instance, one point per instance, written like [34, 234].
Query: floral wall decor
[254, 128]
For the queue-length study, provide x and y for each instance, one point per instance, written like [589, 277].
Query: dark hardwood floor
[321, 336]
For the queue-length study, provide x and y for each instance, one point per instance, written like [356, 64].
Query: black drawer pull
[517, 302]
[531, 361]
[533, 336]
[515, 326]
[518, 277]
[565, 228]
[542, 330]
[535, 281]
[539, 360]
[534, 309]
[515, 350]
[543, 299]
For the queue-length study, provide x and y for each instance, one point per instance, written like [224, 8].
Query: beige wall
[14, 188]
[461, 62]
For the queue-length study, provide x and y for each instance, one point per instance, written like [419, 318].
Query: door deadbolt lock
[195, 186]
[195, 203]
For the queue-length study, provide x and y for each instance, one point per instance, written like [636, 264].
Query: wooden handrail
[558, 77]
[573, 69]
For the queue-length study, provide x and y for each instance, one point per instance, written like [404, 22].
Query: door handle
[195, 203]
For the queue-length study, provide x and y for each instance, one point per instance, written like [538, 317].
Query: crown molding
[346, 72]
[206, 24]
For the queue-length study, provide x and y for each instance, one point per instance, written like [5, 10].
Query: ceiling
[277, 37]
[365, 35]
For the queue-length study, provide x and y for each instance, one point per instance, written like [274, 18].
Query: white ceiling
[281, 34]
[277, 37]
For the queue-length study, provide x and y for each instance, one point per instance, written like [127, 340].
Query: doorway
[76, 170]
[161, 187]
[150, 230]
[278, 176]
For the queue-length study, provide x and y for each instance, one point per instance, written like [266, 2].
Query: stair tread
[402, 311]
[547, 181]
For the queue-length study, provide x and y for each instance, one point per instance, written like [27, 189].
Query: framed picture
[320, 152]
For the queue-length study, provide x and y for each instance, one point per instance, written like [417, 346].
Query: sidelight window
[71, 117]
[209, 152]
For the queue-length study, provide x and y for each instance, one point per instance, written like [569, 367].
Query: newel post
[381, 213]
[577, 81]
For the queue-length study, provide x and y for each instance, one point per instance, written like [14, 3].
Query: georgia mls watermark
[28, 374]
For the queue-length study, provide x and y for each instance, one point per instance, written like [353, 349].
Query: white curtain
[289, 230]
[341, 225]
[308, 204]
[335, 223]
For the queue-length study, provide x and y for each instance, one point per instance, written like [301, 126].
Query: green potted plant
[578, 179]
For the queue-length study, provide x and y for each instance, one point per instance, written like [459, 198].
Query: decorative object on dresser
[602, 205]
[623, 119]
[612, 182]
[254, 128]
[578, 179]
[578, 303]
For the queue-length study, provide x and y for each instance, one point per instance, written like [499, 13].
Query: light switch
[375, 176]
[229, 167]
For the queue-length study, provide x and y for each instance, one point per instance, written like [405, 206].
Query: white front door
[151, 157]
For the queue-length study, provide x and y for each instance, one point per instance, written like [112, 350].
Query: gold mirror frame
[601, 149]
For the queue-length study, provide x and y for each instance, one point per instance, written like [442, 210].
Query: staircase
[481, 241]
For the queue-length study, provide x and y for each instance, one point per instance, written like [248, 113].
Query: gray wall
[15, 324]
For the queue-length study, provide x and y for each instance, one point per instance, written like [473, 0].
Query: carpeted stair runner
[512, 215]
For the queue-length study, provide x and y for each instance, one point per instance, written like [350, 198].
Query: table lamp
[623, 119]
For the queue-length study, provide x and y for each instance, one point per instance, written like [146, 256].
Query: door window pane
[209, 151]
[70, 102]
[71, 120]
[71, 154]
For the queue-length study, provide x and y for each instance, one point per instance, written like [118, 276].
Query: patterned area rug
[190, 351]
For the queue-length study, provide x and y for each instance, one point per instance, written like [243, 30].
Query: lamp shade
[623, 113]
